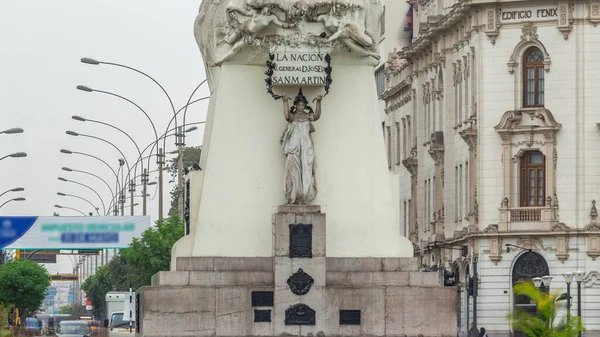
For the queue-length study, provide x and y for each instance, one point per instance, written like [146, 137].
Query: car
[74, 329]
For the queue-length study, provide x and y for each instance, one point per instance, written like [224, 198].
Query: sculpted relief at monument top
[242, 32]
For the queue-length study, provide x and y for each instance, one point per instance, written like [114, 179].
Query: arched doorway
[527, 266]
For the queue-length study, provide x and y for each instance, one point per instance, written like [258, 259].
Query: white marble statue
[343, 27]
[300, 185]
[252, 23]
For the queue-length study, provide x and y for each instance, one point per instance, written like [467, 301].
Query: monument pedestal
[298, 291]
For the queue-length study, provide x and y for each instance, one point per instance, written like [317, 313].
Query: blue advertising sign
[107, 232]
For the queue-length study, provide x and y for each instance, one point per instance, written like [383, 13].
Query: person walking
[482, 332]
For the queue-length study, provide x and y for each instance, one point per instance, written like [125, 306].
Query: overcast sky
[42, 42]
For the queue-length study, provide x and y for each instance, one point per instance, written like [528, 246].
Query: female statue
[300, 185]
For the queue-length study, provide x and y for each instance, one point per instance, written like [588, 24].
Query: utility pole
[160, 163]
[144, 190]
[180, 193]
[131, 191]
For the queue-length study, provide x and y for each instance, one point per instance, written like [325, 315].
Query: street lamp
[16, 189]
[67, 169]
[579, 278]
[568, 279]
[81, 119]
[179, 140]
[542, 283]
[72, 209]
[15, 155]
[89, 188]
[12, 131]
[78, 197]
[13, 199]
[76, 134]
[65, 151]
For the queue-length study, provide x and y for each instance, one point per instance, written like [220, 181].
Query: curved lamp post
[76, 134]
[178, 142]
[70, 208]
[15, 155]
[89, 188]
[81, 119]
[16, 189]
[67, 169]
[65, 151]
[12, 131]
[13, 199]
[78, 197]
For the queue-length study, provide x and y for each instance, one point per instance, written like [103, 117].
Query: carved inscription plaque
[300, 240]
[300, 314]
[300, 282]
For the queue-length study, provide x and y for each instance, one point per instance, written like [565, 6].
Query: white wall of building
[488, 90]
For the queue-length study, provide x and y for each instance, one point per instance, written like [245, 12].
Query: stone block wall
[213, 297]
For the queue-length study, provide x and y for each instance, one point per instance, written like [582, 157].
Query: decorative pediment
[560, 227]
[593, 227]
[528, 39]
[491, 229]
[513, 120]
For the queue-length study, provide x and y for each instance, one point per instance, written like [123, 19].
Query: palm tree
[543, 323]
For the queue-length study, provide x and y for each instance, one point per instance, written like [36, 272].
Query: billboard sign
[78, 232]
[38, 257]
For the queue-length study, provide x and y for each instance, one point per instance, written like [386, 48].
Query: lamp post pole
[70, 208]
[11, 200]
[16, 189]
[579, 278]
[568, 279]
[89, 188]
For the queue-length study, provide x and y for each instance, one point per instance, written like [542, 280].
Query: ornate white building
[492, 124]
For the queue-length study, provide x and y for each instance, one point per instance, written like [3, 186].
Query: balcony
[527, 218]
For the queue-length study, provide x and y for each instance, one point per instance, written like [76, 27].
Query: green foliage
[543, 324]
[191, 156]
[96, 287]
[24, 284]
[134, 266]
[66, 310]
[152, 252]
[4, 310]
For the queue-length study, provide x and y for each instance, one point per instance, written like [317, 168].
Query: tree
[152, 252]
[66, 310]
[543, 323]
[191, 156]
[96, 287]
[135, 265]
[24, 285]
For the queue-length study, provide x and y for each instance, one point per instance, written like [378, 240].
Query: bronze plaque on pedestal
[300, 240]
[300, 314]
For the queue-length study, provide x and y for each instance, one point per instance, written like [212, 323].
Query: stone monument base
[296, 292]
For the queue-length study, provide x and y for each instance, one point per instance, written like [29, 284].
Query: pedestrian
[482, 332]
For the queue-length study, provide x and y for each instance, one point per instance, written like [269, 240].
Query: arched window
[533, 175]
[533, 78]
[527, 266]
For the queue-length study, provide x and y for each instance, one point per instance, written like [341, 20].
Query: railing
[525, 214]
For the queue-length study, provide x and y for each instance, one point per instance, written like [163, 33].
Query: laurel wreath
[271, 69]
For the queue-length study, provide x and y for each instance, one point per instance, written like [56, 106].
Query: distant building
[491, 126]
